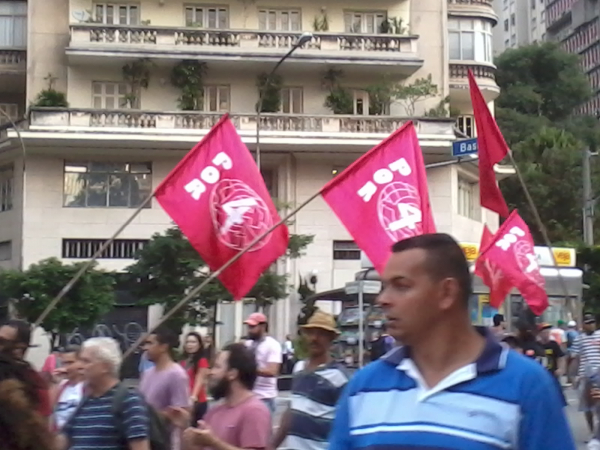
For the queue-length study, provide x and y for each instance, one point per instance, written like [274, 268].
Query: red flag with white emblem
[511, 251]
[382, 198]
[218, 198]
[491, 275]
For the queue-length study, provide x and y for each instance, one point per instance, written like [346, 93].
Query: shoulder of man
[374, 375]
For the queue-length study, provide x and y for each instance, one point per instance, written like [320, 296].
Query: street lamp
[303, 39]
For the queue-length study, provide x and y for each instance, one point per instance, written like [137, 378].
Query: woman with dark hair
[196, 364]
[21, 426]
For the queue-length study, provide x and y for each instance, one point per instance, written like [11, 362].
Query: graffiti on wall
[126, 335]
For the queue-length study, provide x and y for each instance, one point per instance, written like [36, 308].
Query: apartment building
[520, 22]
[87, 166]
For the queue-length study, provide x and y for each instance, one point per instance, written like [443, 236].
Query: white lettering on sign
[510, 238]
[410, 216]
[384, 176]
[209, 175]
[468, 147]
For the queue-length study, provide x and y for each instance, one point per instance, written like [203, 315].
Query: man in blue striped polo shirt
[452, 386]
[317, 385]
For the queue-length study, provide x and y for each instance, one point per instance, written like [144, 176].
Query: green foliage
[188, 76]
[340, 100]
[50, 97]
[392, 26]
[381, 95]
[137, 75]
[34, 289]
[270, 86]
[168, 267]
[411, 94]
[541, 86]
[321, 23]
[443, 109]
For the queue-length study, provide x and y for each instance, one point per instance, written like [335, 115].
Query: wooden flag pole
[65, 290]
[215, 274]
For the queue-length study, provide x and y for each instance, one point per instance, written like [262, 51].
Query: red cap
[255, 319]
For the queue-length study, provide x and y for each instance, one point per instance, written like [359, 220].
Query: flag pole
[216, 273]
[65, 290]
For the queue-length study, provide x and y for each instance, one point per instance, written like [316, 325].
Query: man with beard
[241, 421]
[268, 356]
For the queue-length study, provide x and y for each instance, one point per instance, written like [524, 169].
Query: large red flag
[491, 275]
[218, 198]
[382, 197]
[511, 250]
[492, 149]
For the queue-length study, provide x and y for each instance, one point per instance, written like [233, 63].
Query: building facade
[85, 168]
[520, 22]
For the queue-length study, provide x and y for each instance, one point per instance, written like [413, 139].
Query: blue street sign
[464, 147]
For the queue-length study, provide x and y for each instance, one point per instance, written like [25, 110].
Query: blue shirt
[314, 396]
[502, 401]
[94, 427]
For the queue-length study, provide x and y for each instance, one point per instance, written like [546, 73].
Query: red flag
[491, 275]
[217, 197]
[492, 149]
[382, 197]
[511, 249]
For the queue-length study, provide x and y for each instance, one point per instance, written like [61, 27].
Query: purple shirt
[164, 388]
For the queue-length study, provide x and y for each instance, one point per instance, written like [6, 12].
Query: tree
[34, 289]
[168, 267]
[541, 86]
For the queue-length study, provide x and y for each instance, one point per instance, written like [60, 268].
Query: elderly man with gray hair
[94, 425]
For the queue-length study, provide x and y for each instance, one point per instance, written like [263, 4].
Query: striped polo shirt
[587, 347]
[94, 427]
[501, 401]
[314, 396]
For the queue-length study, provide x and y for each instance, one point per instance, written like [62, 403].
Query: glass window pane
[295, 21]
[97, 189]
[453, 24]
[224, 99]
[272, 24]
[140, 168]
[262, 20]
[212, 100]
[109, 103]
[212, 18]
[189, 17]
[454, 44]
[468, 46]
[97, 88]
[284, 21]
[110, 15]
[118, 193]
[98, 102]
[223, 19]
[285, 101]
[100, 13]
[297, 101]
[76, 167]
[122, 89]
[74, 190]
[141, 188]
[123, 15]
[348, 23]
[134, 16]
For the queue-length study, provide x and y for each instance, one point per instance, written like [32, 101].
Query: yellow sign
[565, 257]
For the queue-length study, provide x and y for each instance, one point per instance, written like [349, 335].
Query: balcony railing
[12, 59]
[111, 120]
[471, 2]
[458, 70]
[87, 36]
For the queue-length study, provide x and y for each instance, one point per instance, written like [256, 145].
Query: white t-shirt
[67, 402]
[267, 351]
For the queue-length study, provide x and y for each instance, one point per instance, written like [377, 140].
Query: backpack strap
[121, 393]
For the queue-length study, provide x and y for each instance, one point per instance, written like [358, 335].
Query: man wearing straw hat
[317, 385]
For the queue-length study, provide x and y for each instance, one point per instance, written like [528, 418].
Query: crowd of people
[450, 385]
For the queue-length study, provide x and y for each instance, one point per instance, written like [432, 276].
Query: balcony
[92, 41]
[301, 132]
[481, 8]
[484, 74]
[13, 61]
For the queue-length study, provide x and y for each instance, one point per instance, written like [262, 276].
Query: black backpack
[159, 433]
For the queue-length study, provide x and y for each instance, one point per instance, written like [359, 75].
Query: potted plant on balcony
[321, 23]
[50, 97]
[339, 99]
[410, 94]
[188, 76]
[271, 92]
[443, 109]
[392, 26]
[137, 75]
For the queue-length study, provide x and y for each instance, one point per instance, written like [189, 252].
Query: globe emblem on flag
[527, 261]
[399, 210]
[239, 215]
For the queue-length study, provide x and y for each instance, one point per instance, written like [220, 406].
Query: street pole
[304, 38]
[588, 201]
[361, 325]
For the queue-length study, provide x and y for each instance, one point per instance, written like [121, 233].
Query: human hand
[179, 417]
[595, 393]
[202, 435]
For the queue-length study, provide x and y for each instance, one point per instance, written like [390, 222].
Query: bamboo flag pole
[65, 290]
[215, 274]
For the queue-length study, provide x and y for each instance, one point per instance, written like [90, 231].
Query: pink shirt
[247, 425]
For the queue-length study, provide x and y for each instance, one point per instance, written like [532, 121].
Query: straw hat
[321, 320]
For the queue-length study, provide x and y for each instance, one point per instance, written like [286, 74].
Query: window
[5, 251]
[216, 99]
[7, 177]
[270, 178]
[513, 39]
[292, 101]
[107, 184]
[117, 14]
[279, 20]
[512, 19]
[505, 24]
[533, 22]
[108, 95]
[86, 248]
[11, 110]
[346, 250]
[506, 43]
[466, 124]
[364, 22]
[467, 198]
[13, 24]
[206, 17]
[470, 40]
[543, 17]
